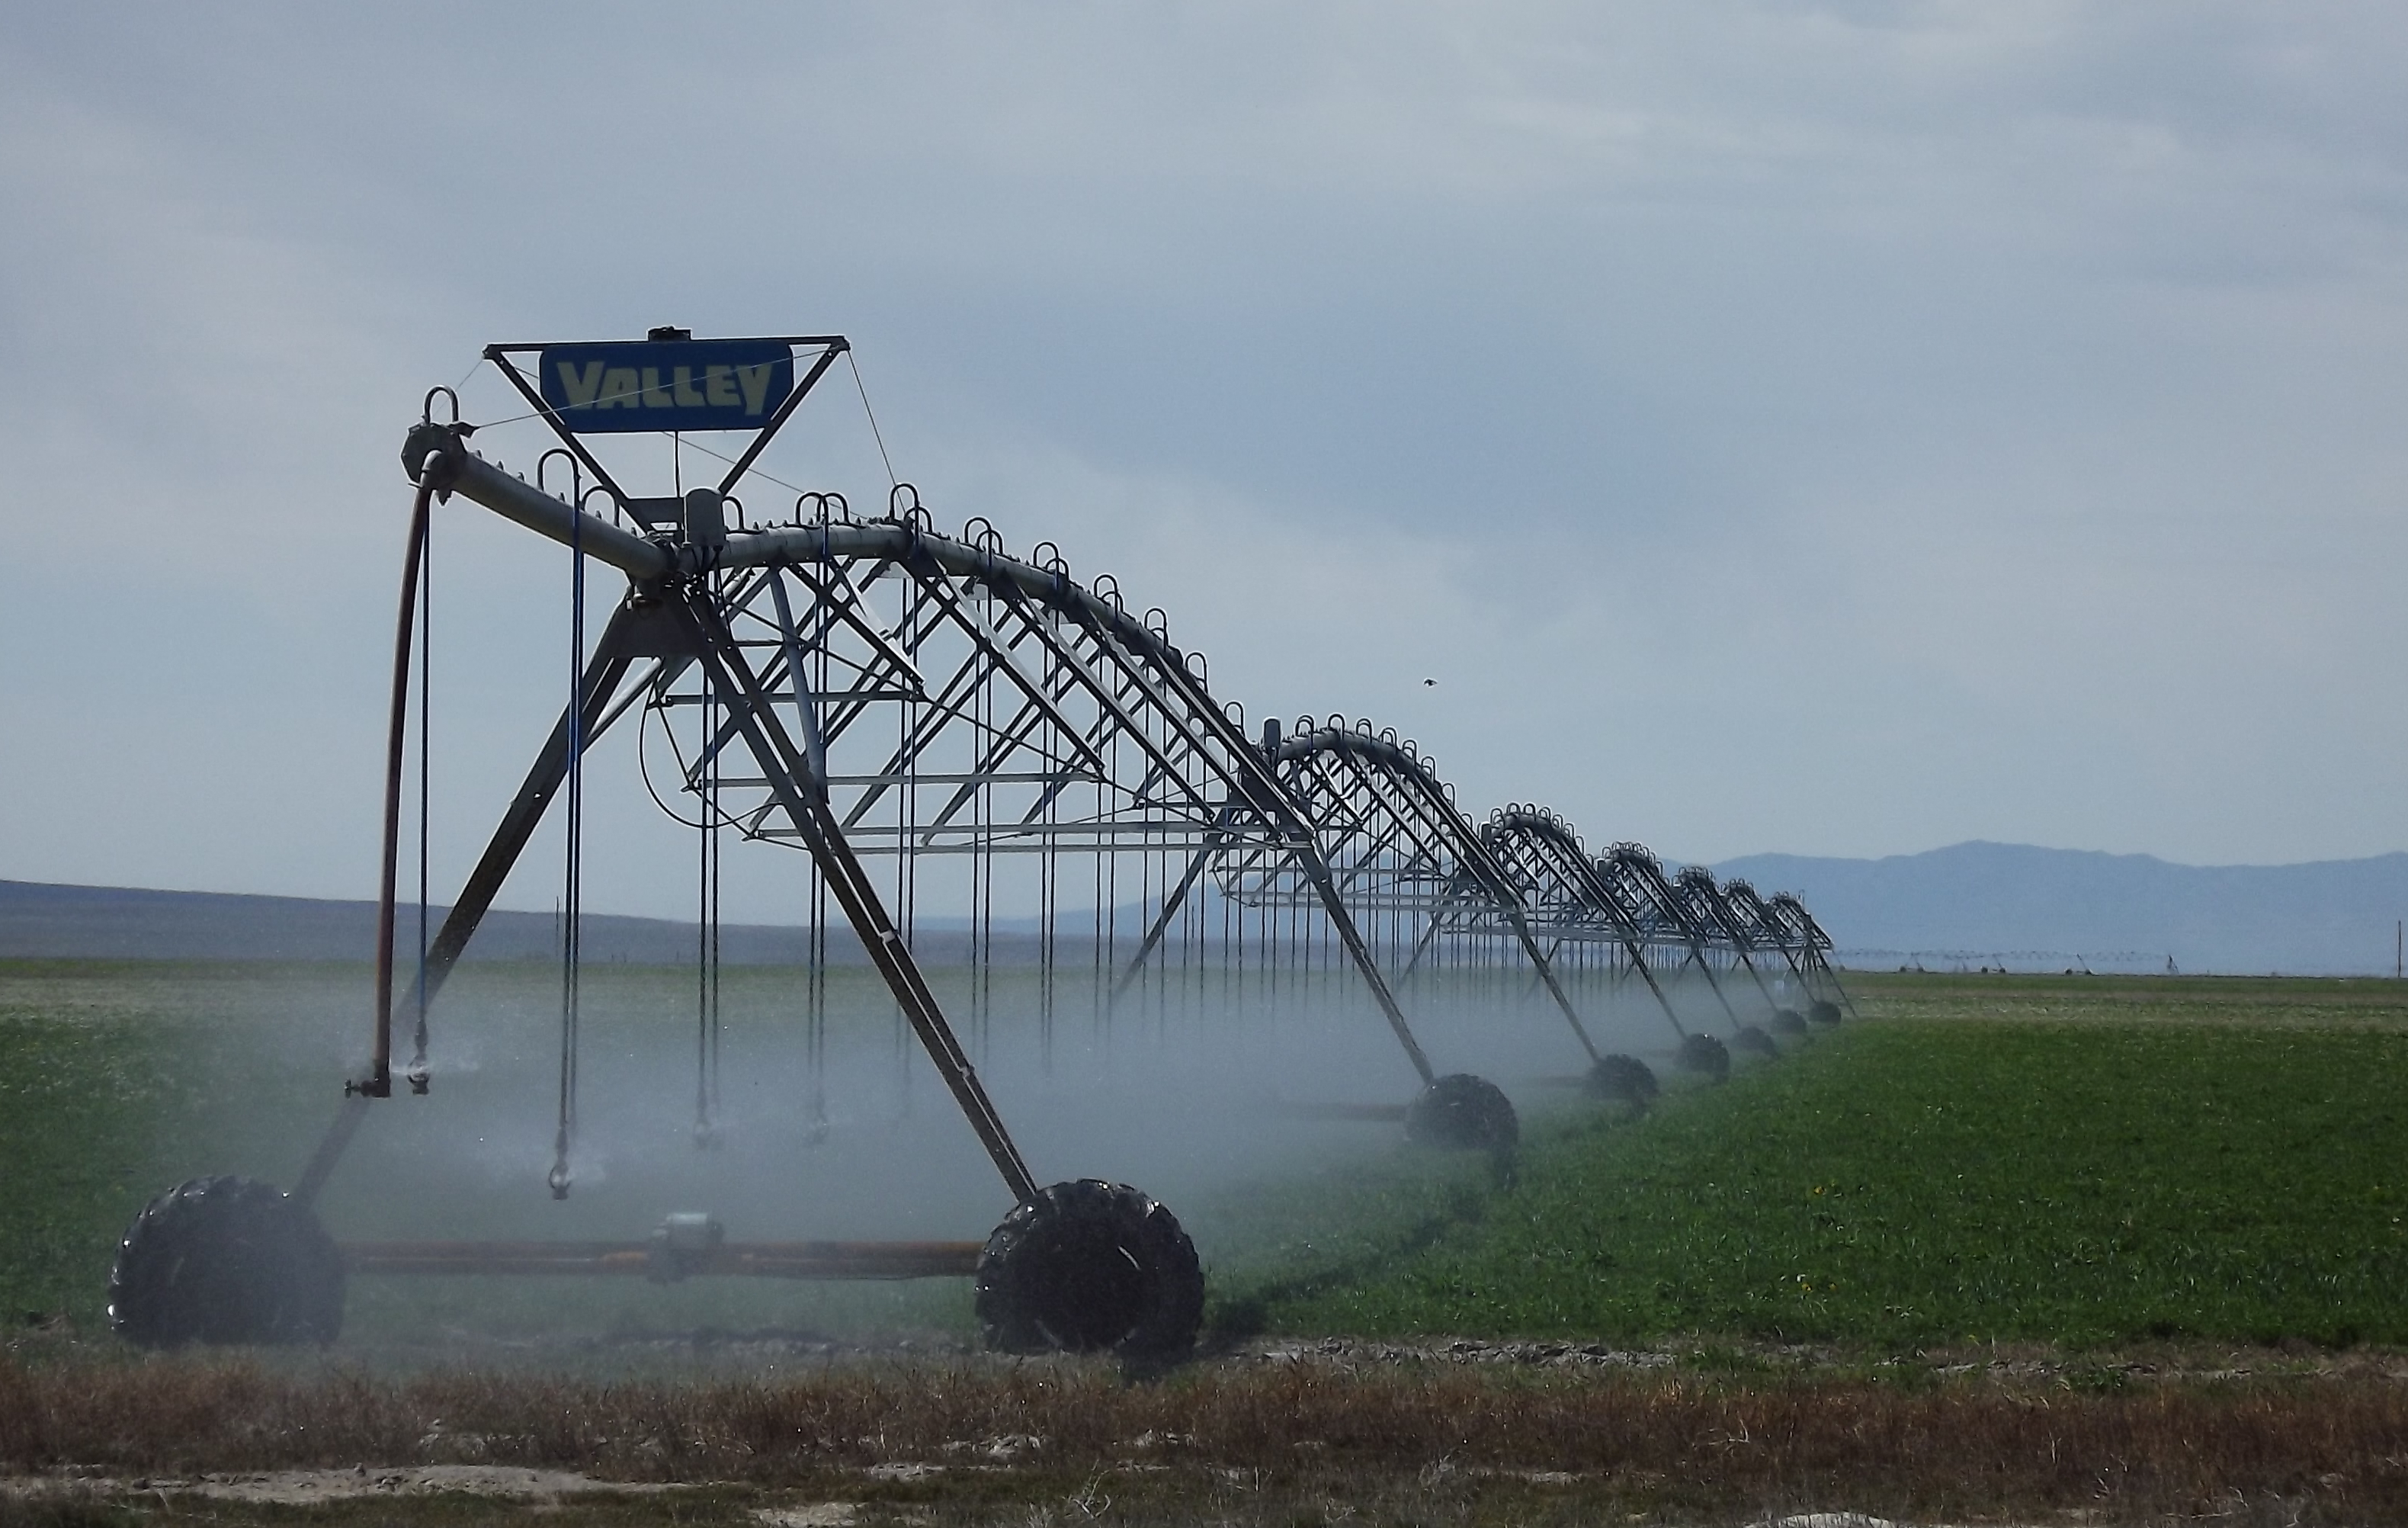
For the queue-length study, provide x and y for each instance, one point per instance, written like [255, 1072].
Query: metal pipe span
[461, 471]
[737, 1259]
[434, 454]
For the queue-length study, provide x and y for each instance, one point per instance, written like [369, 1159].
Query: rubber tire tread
[225, 1259]
[1707, 1056]
[1623, 1079]
[1020, 1272]
[1463, 1113]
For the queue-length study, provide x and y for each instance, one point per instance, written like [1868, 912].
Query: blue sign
[666, 384]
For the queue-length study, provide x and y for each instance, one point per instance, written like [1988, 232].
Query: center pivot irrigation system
[987, 732]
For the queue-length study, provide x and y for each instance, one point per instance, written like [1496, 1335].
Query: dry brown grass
[2334, 1444]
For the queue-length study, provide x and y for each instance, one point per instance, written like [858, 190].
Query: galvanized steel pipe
[435, 453]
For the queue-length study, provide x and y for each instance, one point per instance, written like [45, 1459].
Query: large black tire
[1463, 1113]
[1089, 1267]
[1823, 1011]
[1789, 1021]
[1706, 1055]
[1623, 1079]
[225, 1259]
[1754, 1041]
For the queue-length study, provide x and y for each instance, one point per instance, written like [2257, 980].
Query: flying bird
[1429, 683]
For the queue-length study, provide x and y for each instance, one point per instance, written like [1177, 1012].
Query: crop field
[2009, 1247]
[1906, 1183]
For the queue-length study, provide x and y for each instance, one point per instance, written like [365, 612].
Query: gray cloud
[1836, 428]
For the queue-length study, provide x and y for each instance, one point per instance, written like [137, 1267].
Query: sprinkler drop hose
[379, 1083]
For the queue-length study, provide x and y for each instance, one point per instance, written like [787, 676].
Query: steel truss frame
[875, 692]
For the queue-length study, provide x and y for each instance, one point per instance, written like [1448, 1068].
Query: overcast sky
[1841, 429]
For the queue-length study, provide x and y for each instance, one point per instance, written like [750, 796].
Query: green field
[1912, 1183]
[74, 1141]
[2081, 1160]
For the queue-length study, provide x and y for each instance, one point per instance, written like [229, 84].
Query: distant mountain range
[1968, 904]
[2029, 908]
[126, 923]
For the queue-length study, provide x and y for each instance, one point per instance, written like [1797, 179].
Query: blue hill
[2037, 907]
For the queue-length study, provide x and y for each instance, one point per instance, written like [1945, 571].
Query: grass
[2256, 1002]
[1912, 1183]
[1428, 1442]
[80, 1090]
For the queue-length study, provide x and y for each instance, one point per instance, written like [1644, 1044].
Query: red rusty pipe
[380, 1079]
[753, 1259]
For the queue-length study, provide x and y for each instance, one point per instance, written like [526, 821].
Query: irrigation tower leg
[787, 771]
[1698, 954]
[1309, 860]
[1214, 839]
[1757, 976]
[1317, 869]
[1547, 973]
